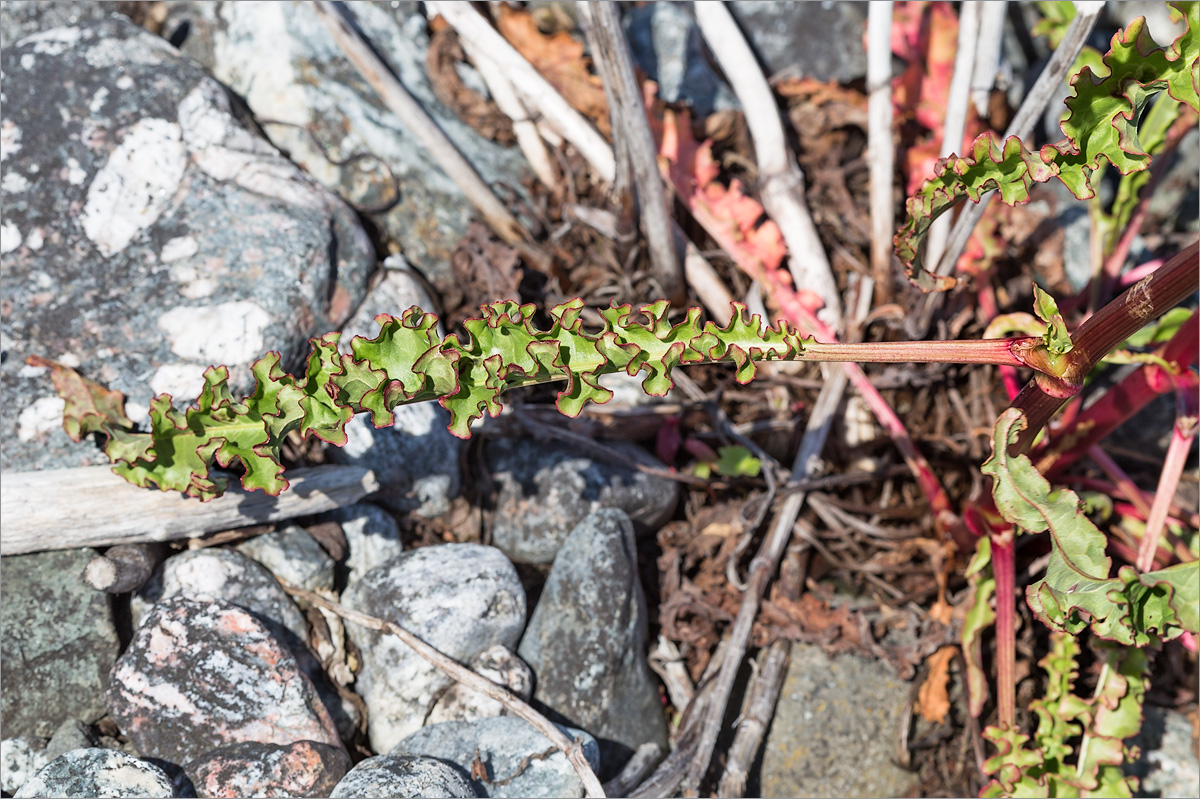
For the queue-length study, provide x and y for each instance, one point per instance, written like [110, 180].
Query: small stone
[19, 759]
[823, 41]
[500, 665]
[305, 768]
[59, 642]
[372, 537]
[1168, 765]
[95, 773]
[667, 45]
[501, 745]
[586, 641]
[200, 675]
[830, 707]
[294, 555]
[545, 490]
[460, 598]
[402, 777]
[73, 734]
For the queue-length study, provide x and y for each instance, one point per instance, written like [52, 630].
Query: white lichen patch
[199, 289]
[55, 41]
[229, 333]
[13, 182]
[10, 139]
[136, 411]
[76, 174]
[10, 237]
[180, 380]
[179, 247]
[98, 100]
[40, 418]
[149, 51]
[135, 185]
[35, 239]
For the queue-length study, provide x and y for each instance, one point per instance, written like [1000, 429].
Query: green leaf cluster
[407, 362]
[1092, 730]
[1102, 125]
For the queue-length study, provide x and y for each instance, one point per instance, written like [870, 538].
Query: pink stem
[1127, 279]
[1004, 570]
[1117, 475]
[1177, 452]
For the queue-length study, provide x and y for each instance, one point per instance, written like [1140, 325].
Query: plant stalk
[1004, 570]
[1177, 452]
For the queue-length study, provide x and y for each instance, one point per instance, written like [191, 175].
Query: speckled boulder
[502, 744]
[547, 489]
[20, 758]
[147, 234]
[305, 768]
[372, 537]
[58, 642]
[200, 675]
[460, 598]
[402, 777]
[95, 773]
[500, 665]
[294, 555]
[586, 641]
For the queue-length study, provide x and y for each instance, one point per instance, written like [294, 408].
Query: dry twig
[881, 152]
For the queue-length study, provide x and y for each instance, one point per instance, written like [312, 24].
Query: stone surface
[834, 729]
[544, 490]
[20, 18]
[314, 105]
[813, 40]
[586, 641]
[148, 234]
[668, 47]
[416, 460]
[71, 734]
[1169, 765]
[500, 665]
[460, 598]
[200, 675]
[97, 772]
[305, 768]
[19, 758]
[372, 537]
[401, 777]
[58, 642]
[501, 744]
[294, 555]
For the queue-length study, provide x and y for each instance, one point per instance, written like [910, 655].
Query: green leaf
[1056, 337]
[88, 406]
[737, 462]
[979, 617]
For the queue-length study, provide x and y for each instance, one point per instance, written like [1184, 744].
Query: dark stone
[305, 768]
[402, 777]
[586, 641]
[58, 645]
[147, 234]
[667, 45]
[97, 772]
[813, 40]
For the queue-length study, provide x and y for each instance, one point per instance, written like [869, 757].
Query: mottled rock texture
[87, 773]
[403, 777]
[305, 768]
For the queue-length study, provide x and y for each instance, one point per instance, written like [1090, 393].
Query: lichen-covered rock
[502, 745]
[71, 734]
[200, 675]
[305, 768]
[822, 41]
[460, 598]
[19, 758]
[416, 460]
[372, 537]
[544, 490]
[147, 234]
[402, 777]
[58, 642]
[586, 641]
[500, 665]
[97, 772]
[294, 555]
[282, 60]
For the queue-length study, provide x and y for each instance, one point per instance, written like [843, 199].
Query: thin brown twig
[572, 749]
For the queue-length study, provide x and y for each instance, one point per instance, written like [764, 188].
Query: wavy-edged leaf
[88, 406]
[1056, 336]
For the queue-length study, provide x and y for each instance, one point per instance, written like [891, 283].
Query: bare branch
[881, 149]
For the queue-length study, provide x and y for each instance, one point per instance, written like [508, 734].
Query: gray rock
[586, 641]
[502, 744]
[1174, 200]
[416, 460]
[544, 490]
[97, 772]
[19, 759]
[313, 104]
[816, 40]
[72, 734]
[58, 645]
[294, 555]
[372, 537]
[668, 47]
[1168, 765]
[202, 674]
[401, 777]
[305, 768]
[148, 234]
[460, 598]
[20, 18]
[834, 729]
[500, 665]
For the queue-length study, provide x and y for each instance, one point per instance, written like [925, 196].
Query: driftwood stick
[413, 116]
[781, 185]
[881, 149]
[636, 770]
[89, 506]
[123, 568]
[632, 130]
[572, 749]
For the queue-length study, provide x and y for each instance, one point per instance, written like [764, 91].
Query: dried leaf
[933, 699]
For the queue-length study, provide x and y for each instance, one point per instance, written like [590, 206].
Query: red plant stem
[1176, 515]
[1124, 482]
[1127, 279]
[1182, 436]
[1143, 302]
[1181, 550]
[1004, 570]
[994, 351]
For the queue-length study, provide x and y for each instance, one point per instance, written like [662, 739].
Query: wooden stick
[413, 116]
[987, 52]
[881, 150]
[123, 568]
[610, 52]
[781, 185]
[89, 506]
[572, 749]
